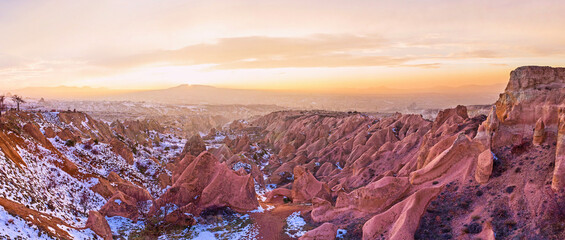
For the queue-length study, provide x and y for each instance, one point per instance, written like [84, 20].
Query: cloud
[321, 50]
[267, 52]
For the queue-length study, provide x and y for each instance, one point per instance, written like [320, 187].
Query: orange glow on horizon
[318, 46]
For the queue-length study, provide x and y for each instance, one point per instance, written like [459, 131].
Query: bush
[70, 143]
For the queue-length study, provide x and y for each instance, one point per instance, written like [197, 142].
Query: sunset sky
[302, 45]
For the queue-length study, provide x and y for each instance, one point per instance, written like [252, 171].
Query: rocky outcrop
[533, 94]
[400, 221]
[539, 133]
[194, 146]
[206, 183]
[121, 205]
[326, 231]
[98, 224]
[122, 149]
[306, 186]
[484, 166]
[376, 196]
[462, 150]
[558, 182]
[128, 188]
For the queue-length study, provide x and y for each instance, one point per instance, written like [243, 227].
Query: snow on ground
[294, 225]
[341, 233]
[123, 226]
[13, 227]
[44, 187]
[239, 227]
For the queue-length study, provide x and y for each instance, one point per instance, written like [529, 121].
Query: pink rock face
[98, 224]
[529, 77]
[207, 183]
[445, 127]
[461, 150]
[400, 221]
[533, 93]
[306, 186]
[326, 231]
[121, 205]
[375, 196]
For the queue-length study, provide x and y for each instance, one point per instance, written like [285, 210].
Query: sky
[290, 45]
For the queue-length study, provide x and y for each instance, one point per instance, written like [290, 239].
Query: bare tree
[18, 99]
[2, 105]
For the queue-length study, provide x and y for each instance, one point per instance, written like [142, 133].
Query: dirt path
[270, 224]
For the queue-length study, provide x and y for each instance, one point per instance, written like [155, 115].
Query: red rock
[122, 149]
[529, 77]
[164, 180]
[67, 135]
[180, 218]
[375, 196]
[306, 186]
[33, 130]
[194, 146]
[400, 221]
[223, 153]
[181, 165]
[49, 133]
[241, 144]
[98, 224]
[207, 183]
[128, 188]
[539, 133]
[121, 205]
[484, 166]
[277, 194]
[326, 231]
[558, 182]
[461, 151]
[287, 150]
[229, 190]
[104, 188]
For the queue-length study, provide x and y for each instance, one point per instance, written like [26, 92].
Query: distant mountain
[359, 99]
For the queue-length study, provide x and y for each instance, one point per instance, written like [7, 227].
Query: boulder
[484, 166]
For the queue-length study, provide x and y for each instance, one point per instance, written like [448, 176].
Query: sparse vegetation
[70, 143]
[18, 100]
